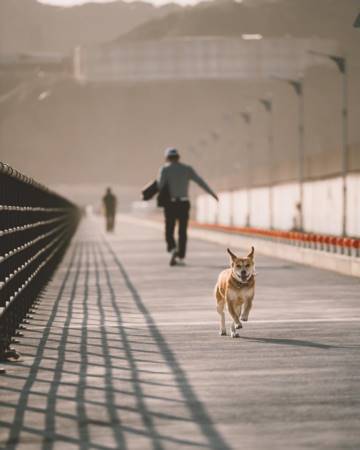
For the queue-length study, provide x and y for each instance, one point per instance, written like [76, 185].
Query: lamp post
[267, 103]
[213, 164]
[341, 64]
[299, 91]
[357, 22]
[247, 118]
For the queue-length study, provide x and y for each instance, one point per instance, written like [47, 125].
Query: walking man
[109, 202]
[175, 177]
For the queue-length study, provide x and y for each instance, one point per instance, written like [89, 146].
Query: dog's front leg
[238, 314]
[247, 307]
[236, 322]
[220, 310]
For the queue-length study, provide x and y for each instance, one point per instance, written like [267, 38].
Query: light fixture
[43, 95]
[251, 37]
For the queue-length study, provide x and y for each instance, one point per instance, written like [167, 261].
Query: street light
[357, 22]
[247, 118]
[299, 91]
[267, 103]
[205, 142]
[341, 64]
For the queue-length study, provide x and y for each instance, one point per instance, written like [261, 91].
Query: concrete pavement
[124, 353]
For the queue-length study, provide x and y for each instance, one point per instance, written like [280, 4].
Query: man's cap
[171, 151]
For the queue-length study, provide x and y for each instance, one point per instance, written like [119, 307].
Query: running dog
[235, 287]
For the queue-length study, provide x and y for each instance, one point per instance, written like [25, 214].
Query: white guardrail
[322, 207]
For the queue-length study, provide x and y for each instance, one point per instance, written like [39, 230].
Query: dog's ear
[232, 255]
[251, 254]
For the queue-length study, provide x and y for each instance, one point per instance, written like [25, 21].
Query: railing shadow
[99, 386]
[17, 425]
[196, 410]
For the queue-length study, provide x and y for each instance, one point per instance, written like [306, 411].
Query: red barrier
[350, 246]
[327, 242]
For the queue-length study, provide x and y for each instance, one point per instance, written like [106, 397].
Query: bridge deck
[124, 353]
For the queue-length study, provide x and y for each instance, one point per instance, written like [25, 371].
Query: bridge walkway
[123, 353]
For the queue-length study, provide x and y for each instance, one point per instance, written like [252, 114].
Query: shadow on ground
[92, 379]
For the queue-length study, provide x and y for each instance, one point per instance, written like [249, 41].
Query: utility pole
[267, 103]
[246, 116]
[299, 91]
[341, 64]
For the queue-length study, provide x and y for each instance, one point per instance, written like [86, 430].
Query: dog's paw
[244, 318]
[238, 326]
[222, 332]
[234, 334]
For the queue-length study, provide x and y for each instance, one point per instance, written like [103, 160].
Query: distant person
[297, 218]
[109, 202]
[174, 177]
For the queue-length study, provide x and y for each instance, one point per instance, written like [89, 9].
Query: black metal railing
[36, 225]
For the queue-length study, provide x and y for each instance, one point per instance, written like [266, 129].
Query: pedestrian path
[124, 354]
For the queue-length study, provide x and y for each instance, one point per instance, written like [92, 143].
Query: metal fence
[36, 226]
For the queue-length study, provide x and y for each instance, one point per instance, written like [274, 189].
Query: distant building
[200, 58]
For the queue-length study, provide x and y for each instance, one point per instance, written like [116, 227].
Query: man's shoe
[181, 262]
[173, 257]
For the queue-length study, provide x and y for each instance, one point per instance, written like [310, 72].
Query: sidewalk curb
[346, 265]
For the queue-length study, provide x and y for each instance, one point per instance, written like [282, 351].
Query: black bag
[150, 190]
[163, 199]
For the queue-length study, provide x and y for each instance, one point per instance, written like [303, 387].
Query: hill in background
[29, 26]
[114, 133]
[298, 18]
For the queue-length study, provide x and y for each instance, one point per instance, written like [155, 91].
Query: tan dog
[236, 288]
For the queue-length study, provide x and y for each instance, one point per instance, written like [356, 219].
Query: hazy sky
[80, 2]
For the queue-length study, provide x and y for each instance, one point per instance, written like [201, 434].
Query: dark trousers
[110, 221]
[177, 212]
